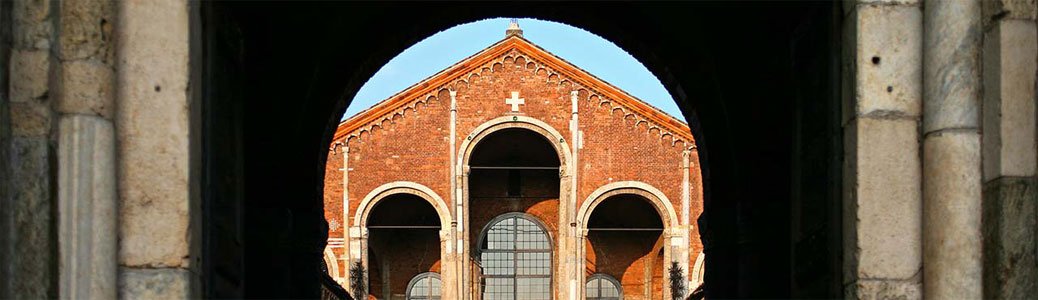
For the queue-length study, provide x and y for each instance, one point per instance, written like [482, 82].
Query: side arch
[697, 272]
[332, 264]
[655, 196]
[360, 217]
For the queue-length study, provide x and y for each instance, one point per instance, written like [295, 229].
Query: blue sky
[581, 48]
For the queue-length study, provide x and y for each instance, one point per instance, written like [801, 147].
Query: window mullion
[515, 259]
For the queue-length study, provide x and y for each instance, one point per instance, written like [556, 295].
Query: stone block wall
[95, 117]
[82, 176]
[30, 262]
[1010, 55]
[882, 93]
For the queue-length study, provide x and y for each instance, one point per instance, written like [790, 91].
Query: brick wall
[617, 146]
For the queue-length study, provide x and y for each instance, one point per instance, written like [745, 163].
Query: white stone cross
[515, 101]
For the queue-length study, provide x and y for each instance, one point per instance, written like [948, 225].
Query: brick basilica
[513, 174]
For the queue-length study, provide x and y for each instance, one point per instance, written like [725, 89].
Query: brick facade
[407, 138]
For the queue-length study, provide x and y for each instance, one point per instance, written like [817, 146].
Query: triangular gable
[514, 46]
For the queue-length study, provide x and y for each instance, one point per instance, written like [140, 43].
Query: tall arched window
[603, 287]
[425, 286]
[516, 259]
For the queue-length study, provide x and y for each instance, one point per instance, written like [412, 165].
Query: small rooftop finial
[513, 28]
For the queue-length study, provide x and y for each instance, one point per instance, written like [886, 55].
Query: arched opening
[515, 259]
[254, 72]
[403, 242]
[513, 191]
[625, 240]
[425, 286]
[603, 287]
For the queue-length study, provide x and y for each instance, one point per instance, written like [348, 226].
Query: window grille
[603, 287]
[516, 259]
[425, 286]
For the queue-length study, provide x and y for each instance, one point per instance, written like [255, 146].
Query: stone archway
[332, 263]
[401, 187]
[244, 87]
[654, 195]
[697, 272]
[674, 239]
[565, 271]
[359, 233]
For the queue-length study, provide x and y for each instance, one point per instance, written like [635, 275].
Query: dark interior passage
[759, 82]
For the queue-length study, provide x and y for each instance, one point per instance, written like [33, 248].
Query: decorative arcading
[551, 77]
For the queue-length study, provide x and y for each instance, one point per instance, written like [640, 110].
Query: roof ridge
[607, 83]
[502, 48]
[419, 83]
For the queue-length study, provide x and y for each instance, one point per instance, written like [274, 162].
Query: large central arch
[558, 143]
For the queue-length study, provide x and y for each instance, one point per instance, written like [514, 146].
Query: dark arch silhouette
[758, 82]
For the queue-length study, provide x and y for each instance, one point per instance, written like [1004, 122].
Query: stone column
[686, 211]
[581, 249]
[359, 253]
[569, 262]
[1009, 152]
[882, 211]
[152, 128]
[465, 262]
[565, 283]
[455, 281]
[346, 222]
[87, 196]
[951, 150]
[88, 215]
[448, 270]
[672, 243]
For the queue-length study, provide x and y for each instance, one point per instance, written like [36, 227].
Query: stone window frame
[477, 257]
[419, 277]
[606, 277]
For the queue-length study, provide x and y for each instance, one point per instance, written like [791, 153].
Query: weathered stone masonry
[939, 104]
[98, 150]
[939, 126]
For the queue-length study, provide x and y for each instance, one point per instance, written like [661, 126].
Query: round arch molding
[671, 234]
[697, 272]
[332, 263]
[557, 141]
[360, 217]
[655, 196]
